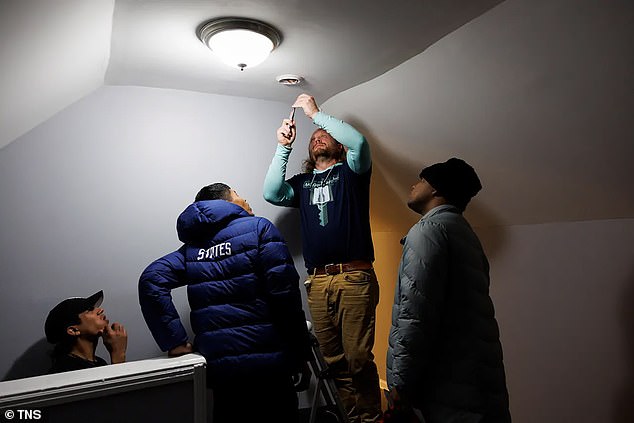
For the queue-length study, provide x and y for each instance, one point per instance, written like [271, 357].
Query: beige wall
[390, 220]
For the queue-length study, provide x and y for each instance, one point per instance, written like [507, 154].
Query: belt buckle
[336, 266]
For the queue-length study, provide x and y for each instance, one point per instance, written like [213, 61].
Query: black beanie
[454, 180]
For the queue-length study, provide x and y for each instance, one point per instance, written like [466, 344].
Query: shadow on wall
[624, 407]
[35, 361]
[392, 179]
[288, 223]
[390, 176]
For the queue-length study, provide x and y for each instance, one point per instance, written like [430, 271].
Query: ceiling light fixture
[240, 42]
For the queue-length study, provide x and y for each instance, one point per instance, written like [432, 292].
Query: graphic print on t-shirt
[321, 194]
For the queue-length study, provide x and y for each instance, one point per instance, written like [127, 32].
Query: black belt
[335, 269]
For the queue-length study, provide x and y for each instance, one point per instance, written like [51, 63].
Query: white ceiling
[333, 44]
[54, 52]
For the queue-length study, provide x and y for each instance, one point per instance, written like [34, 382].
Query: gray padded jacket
[444, 345]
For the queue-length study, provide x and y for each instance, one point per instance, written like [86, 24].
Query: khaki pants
[343, 308]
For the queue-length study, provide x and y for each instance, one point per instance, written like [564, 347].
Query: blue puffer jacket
[243, 292]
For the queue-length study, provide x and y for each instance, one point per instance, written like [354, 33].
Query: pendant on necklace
[323, 214]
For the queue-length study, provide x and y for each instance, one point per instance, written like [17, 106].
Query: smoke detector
[289, 79]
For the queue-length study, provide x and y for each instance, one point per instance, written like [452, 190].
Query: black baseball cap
[66, 314]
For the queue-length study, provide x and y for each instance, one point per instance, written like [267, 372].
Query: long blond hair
[310, 162]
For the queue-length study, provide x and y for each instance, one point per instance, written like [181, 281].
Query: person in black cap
[75, 326]
[444, 359]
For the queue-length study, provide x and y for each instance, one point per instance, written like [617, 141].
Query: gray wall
[90, 197]
[563, 294]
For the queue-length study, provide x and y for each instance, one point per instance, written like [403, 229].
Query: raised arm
[276, 190]
[155, 286]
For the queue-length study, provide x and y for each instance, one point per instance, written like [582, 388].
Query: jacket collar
[441, 209]
[444, 208]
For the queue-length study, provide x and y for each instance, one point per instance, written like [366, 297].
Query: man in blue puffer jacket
[245, 304]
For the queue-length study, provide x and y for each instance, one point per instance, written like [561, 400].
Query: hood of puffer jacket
[201, 220]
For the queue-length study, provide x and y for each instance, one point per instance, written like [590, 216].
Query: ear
[72, 331]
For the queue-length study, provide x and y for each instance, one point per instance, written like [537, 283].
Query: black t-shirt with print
[335, 215]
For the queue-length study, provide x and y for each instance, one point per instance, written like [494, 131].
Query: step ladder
[333, 412]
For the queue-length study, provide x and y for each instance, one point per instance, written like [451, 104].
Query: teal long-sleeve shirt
[279, 192]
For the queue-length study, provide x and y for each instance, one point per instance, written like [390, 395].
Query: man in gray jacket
[444, 358]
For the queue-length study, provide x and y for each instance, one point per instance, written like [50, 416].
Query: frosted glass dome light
[240, 42]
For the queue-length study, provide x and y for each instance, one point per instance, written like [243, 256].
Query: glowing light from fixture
[240, 42]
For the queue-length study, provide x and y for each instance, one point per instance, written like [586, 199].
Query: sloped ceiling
[52, 52]
[537, 95]
[56, 51]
